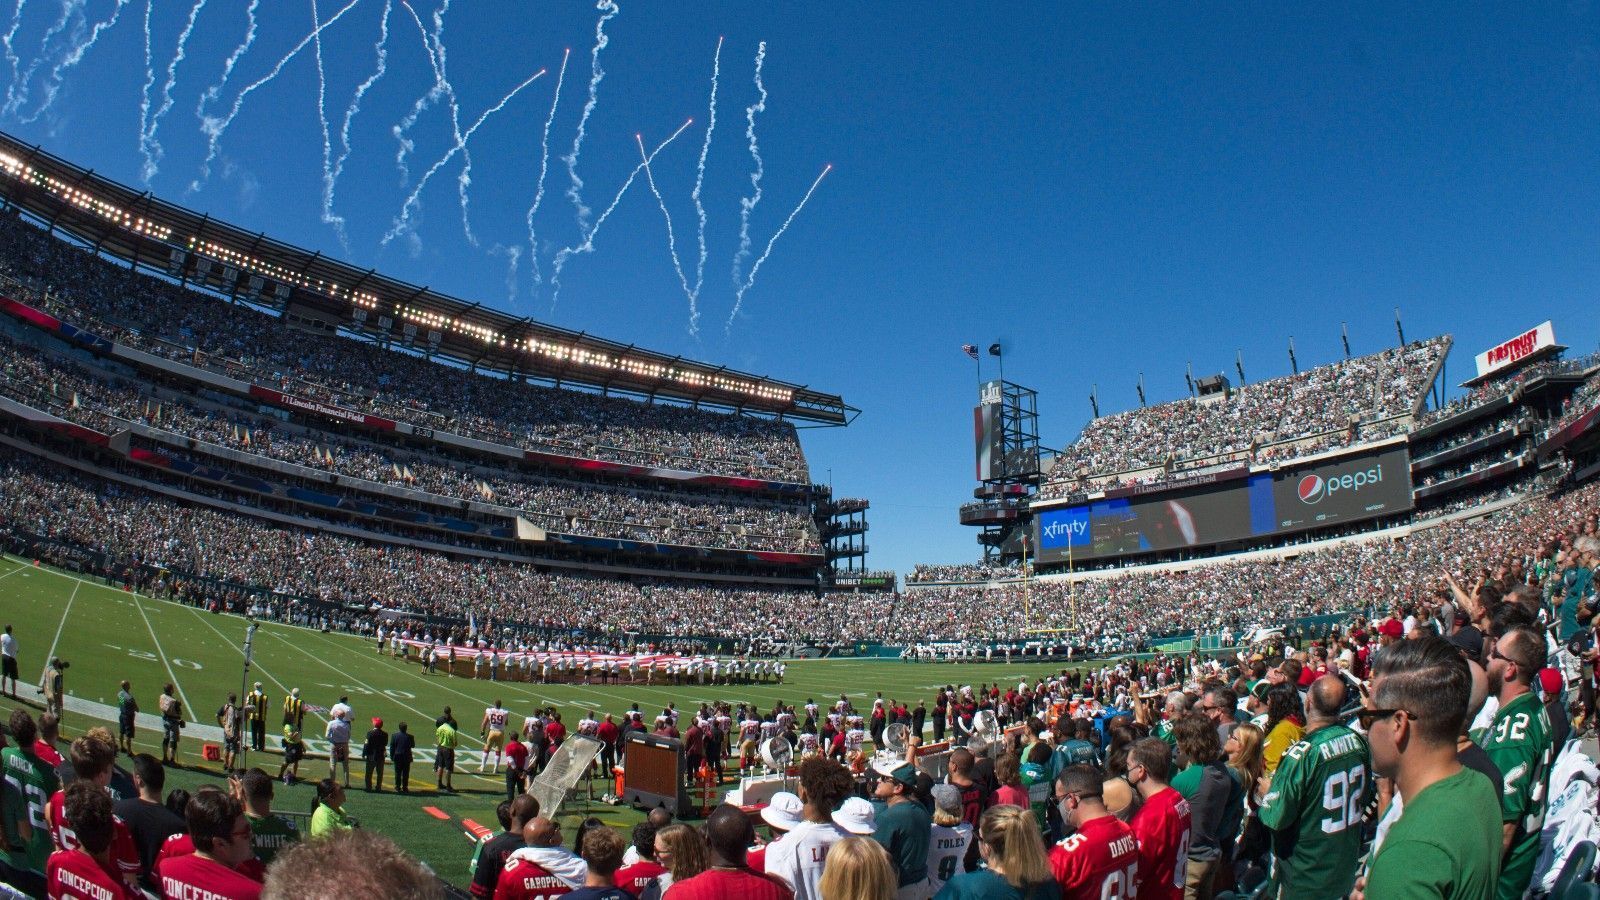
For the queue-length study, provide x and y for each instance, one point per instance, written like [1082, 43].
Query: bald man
[729, 833]
[542, 868]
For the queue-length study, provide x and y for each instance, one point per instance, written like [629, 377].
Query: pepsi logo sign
[1311, 489]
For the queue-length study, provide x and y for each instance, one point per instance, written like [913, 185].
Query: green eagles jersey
[1164, 732]
[270, 835]
[1314, 809]
[1519, 744]
[1445, 843]
[35, 782]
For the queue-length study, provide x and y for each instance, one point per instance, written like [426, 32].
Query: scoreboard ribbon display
[1298, 498]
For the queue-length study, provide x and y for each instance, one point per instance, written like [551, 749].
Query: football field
[108, 634]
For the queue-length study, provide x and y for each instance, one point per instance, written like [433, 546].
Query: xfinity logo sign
[1072, 530]
[1313, 488]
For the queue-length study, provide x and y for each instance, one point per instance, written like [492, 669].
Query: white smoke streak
[17, 92]
[575, 192]
[149, 147]
[213, 92]
[738, 299]
[215, 127]
[699, 179]
[402, 222]
[441, 88]
[747, 205]
[587, 244]
[544, 168]
[81, 46]
[382, 48]
[513, 255]
[672, 240]
[8, 41]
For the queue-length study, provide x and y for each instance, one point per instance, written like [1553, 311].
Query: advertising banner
[1515, 350]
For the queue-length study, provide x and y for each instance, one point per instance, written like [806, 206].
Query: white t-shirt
[947, 846]
[797, 858]
[8, 645]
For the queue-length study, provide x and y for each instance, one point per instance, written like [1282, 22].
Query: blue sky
[1107, 191]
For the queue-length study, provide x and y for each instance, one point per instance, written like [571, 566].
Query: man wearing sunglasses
[1519, 743]
[1101, 857]
[1445, 842]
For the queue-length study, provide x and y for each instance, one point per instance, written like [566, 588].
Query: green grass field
[108, 635]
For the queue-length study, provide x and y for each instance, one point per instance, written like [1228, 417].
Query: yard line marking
[64, 613]
[159, 652]
[19, 568]
[255, 662]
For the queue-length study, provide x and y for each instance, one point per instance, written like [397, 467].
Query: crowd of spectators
[596, 509]
[186, 325]
[1294, 415]
[1584, 399]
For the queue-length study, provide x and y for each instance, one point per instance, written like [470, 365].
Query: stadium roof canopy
[142, 230]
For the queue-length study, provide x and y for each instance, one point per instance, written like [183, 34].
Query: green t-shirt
[445, 737]
[1519, 744]
[1314, 810]
[1446, 843]
[1164, 732]
[35, 781]
[271, 834]
[986, 885]
[1040, 786]
[903, 830]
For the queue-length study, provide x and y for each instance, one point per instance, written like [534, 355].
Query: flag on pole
[994, 349]
[970, 350]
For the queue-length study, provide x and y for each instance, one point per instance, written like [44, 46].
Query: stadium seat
[1583, 890]
[1577, 870]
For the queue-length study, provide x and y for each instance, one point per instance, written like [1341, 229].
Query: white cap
[856, 816]
[783, 812]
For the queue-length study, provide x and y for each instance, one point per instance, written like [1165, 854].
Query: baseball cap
[783, 812]
[899, 770]
[1392, 628]
[856, 816]
[1550, 682]
[1469, 640]
[947, 799]
[377, 722]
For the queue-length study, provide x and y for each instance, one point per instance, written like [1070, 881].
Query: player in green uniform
[1519, 743]
[34, 781]
[1315, 805]
[1446, 842]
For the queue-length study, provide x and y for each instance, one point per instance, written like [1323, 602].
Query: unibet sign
[1313, 488]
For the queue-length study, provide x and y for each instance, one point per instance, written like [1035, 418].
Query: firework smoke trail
[587, 244]
[149, 71]
[149, 147]
[211, 93]
[442, 88]
[513, 255]
[81, 47]
[403, 221]
[8, 41]
[328, 215]
[672, 241]
[322, 115]
[544, 168]
[215, 127]
[699, 179]
[17, 92]
[739, 297]
[747, 205]
[610, 9]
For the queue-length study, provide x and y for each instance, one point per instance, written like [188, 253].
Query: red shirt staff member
[87, 871]
[221, 838]
[1101, 859]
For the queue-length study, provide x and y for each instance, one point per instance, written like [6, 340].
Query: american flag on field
[970, 350]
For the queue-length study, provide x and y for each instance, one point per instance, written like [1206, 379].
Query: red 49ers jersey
[1099, 862]
[1162, 828]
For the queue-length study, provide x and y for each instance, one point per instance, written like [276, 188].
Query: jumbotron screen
[1245, 505]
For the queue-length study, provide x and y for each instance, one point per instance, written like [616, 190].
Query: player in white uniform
[808, 744]
[854, 738]
[749, 734]
[811, 709]
[493, 729]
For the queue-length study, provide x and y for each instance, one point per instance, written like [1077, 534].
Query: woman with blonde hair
[682, 851]
[858, 868]
[1246, 751]
[1009, 841]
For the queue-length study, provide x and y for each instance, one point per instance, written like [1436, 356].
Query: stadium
[237, 472]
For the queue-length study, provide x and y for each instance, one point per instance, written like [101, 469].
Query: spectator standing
[36, 782]
[1161, 825]
[221, 838]
[798, 859]
[601, 849]
[92, 760]
[1216, 802]
[1446, 843]
[1100, 857]
[84, 871]
[542, 868]
[372, 754]
[1315, 847]
[149, 822]
[728, 833]
[401, 747]
[492, 854]
[270, 833]
[1519, 744]
[904, 827]
[950, 840]
[353, 865]
[858, 868]
[1013, 853]
[637, 875]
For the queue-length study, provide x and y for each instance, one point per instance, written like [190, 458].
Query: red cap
[1550, 682]
[1392, 628]
[377, 722]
